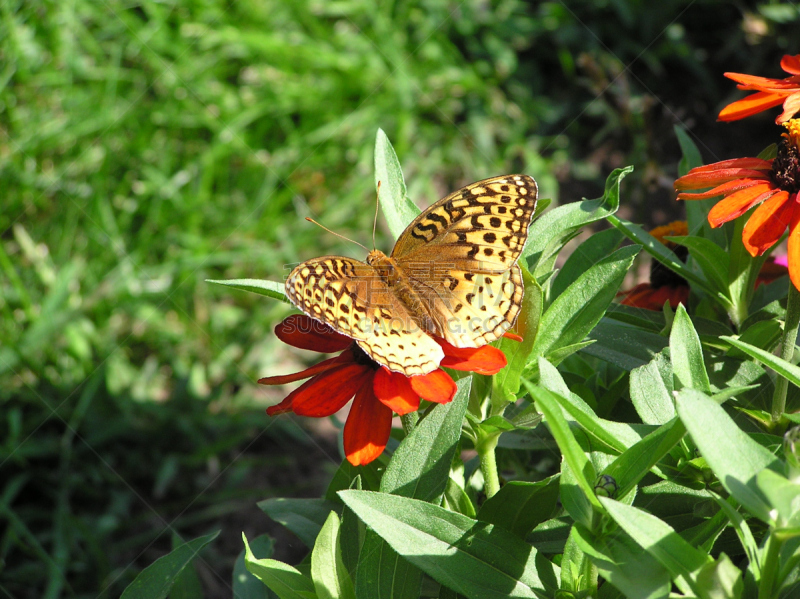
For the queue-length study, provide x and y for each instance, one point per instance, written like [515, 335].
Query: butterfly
[452, 274]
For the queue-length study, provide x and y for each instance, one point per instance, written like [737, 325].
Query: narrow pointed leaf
[688, 364]
[282, 579]
[259, 286]
[398, 210]
[330, 577]
[304, 517]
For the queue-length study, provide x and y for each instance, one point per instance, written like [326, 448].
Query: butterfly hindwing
[350, 297]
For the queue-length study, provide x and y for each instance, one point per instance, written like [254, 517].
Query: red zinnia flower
[378, 391]
[746, 182]
[664, 285]
[769, 93]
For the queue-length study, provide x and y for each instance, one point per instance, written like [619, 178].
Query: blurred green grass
[147, 146]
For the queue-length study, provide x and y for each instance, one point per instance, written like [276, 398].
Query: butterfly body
[452, 274]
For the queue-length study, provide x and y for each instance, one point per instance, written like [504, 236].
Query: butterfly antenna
[311, 220]
[375, 221]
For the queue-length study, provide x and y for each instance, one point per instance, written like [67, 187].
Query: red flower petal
[752, 104]
[700, 179]
[436, 386]
[513, 336]
[738, 203]
[281, 408]
[649, 298]
[483, 360]
[301, 331]
[393, 389]
[345, 357]
[367, 428]
[791, 64]
[794, 248]
[328, 392]
[766, 225]
[719, 190]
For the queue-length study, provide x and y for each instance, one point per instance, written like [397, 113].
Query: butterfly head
[377, 258]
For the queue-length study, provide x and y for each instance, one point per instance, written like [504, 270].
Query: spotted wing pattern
[482, 227]
[461, 253]
[350, 296]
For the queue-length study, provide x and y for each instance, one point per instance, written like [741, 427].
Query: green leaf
[156, 580]
[420, 468]
[506, 382]
[245, 585]
[635, 462]
[744, 533]
[331, 579]
[659, 539]
[786, 369]
[734, 457]
[397, 208]
[259, 286]
[783, 495]
[764, 334]
[548, 234]
[622, 345]
[346, 473]
[457, 499]
[576, 311]
[691, 157]
[720, 580]
[520, 506]
[304, 517]
[688, 365]
[475, 559]
[187, 584]
[623, 564]
[570, 448]
[583, 257]
[651, 391]
[282, 579]
[666, 257]
[712, 259]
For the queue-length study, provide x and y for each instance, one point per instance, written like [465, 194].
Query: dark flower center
[360, 357]
[661, 276]
[786, 166]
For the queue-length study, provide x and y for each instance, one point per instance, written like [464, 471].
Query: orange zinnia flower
[378, 391]
[746, 182]
[769, 93]
[664, 285]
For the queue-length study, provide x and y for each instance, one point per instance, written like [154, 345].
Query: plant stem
[769, 567]
[491, 480]
[409, 421]
[787, 351]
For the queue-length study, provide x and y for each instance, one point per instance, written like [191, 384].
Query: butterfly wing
[482, 227]
[460, 256]
[350, 297]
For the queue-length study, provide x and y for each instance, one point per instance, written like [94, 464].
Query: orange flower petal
[483, 360]
[766, 225]
[764, 84]
[367, 429]
[393, 389]
[303, 332]
[754, 163]
[738, 203]
[436, 386]
[700, 179]
[512, 336]
[752, 104]
[791, 106]
[304, 374]
[794, 249]
[791, 64]
[328, 392]
[720, 190]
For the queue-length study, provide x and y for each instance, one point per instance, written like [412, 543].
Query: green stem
[409, 421]
[491, 480]
[787, 351]
[769, 567]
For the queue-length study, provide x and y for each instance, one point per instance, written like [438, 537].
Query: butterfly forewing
[482, 227]
[350, 296]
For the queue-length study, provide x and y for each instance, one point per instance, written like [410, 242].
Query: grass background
[147, 146]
